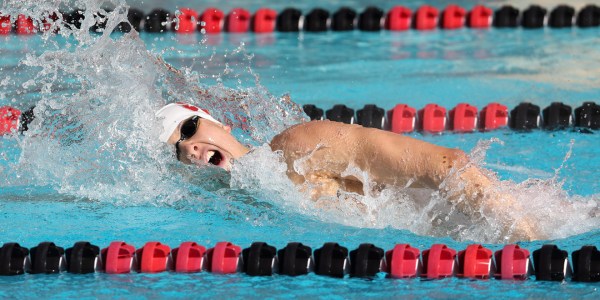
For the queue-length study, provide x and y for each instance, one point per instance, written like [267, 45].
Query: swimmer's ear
[227, 128]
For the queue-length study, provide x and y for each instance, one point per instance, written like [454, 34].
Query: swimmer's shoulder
[310, 132]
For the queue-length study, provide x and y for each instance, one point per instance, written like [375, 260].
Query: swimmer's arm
[396, 159]
[389, 158]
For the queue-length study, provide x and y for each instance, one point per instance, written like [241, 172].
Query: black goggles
[188, 129]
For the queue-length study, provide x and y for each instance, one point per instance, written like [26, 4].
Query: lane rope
[511, 262]
[431, 119]
[464, 117]
[265, 20]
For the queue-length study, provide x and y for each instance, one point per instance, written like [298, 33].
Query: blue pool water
[107, 180]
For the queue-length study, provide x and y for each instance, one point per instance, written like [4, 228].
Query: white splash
[95, 134]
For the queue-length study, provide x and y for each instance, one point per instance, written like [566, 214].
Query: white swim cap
[173, 113]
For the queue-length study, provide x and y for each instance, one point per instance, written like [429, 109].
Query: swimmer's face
[210, 144]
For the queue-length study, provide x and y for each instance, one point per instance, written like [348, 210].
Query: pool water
[101, 182]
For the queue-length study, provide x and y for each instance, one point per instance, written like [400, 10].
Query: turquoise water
[84, 188]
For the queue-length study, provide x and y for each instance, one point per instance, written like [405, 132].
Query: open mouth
[215, 157]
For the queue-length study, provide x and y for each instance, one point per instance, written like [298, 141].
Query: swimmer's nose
[191, 151]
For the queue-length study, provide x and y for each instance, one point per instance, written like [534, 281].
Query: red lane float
[432, 118]
[475, 262]
[188, 257]
[212, 20]
[463, 118]
[453, 17]
[512, 263]
[118, 258]
[438, 262]
[224, 258]
[5, 25]
[402, 118]
[153, 257]
[25, 25]
[480, 17]
[398, 18]
[403, 261]
[426, 18]
[237, 21]
[188, 21]
[9, 119]
[493, 116]
[264, 20]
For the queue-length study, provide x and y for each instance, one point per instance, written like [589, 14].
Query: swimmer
[318, 153]
[326, 149]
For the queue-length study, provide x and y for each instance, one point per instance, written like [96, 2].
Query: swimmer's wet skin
[318, 153]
